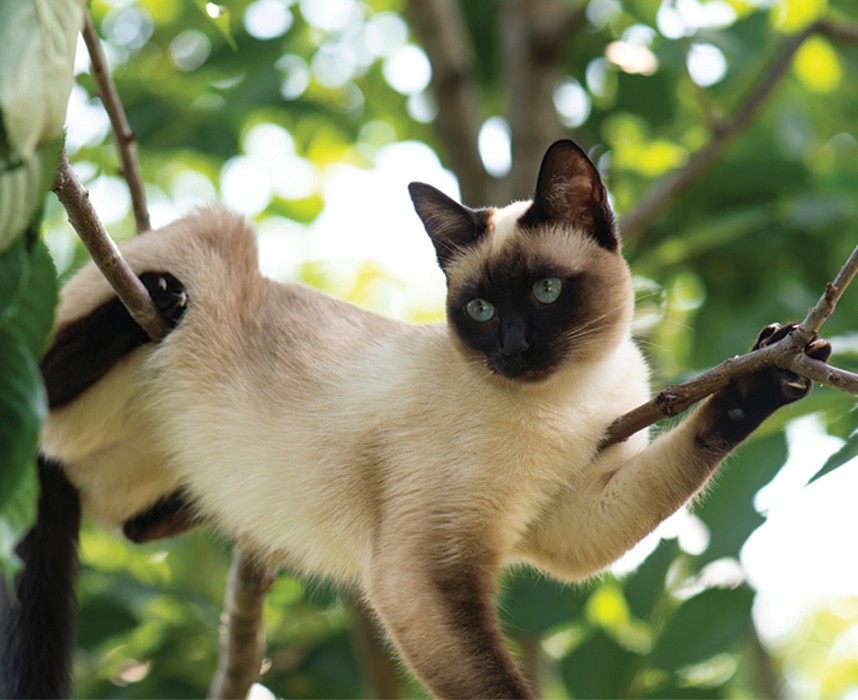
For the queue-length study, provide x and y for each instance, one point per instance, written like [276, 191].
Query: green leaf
[839, 458]
[14, 273]
[23, 189]
[16, 518]
[599, 668]
[220, 16]
[645, 588]
[703, 626]
[34, 317]
[728, 508]
[37, 45]
[105, 617]
[533, 604]
[22, 409]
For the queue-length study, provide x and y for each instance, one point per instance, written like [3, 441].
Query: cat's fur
[408, 462]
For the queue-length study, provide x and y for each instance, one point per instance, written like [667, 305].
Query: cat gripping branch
[409, 463]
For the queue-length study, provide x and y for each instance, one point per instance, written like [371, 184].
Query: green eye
[547, 290]
[480, 310]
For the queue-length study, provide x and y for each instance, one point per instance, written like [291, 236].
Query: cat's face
[536, 285]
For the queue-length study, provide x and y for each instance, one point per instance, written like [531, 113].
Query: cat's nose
[514, 341]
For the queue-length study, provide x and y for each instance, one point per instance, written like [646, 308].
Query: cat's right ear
[451, 226]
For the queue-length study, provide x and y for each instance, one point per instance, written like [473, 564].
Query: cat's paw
[788, 385]
[168, 293]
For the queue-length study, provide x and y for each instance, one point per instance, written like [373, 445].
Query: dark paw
[169, 295]
[789, 385]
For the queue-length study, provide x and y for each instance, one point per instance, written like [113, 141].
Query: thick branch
[243, 642]
[441, 29]
[124, 136]
[534, 35]
[130, 290]
[786, 353]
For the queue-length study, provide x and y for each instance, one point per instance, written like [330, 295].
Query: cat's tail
[37, 620]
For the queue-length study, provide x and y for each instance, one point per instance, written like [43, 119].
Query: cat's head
[535, 285]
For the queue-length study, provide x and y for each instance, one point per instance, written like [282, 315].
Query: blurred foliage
[279, 92]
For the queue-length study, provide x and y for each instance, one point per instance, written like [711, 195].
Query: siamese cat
[409, 463]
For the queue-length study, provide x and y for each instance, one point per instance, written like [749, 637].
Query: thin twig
[787, 353]
[83, 218]
[243, 641]
[124, 136]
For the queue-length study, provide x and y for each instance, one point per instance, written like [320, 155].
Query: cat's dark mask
[534, 285]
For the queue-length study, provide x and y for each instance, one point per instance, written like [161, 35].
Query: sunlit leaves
[817, 66]
[37, 43]
[794, 15]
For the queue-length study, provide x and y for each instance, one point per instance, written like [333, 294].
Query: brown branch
[441, 29]
[243, 641]
[236, 668]
[81, 214]
[534, 36]
[124, 136]
[786, 353]
[671, 186]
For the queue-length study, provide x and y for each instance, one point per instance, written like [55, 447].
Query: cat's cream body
[408, 462]
[314, 449]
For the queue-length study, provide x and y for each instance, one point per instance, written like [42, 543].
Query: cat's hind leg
[441, 614]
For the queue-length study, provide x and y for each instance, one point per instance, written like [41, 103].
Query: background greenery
[751, 240]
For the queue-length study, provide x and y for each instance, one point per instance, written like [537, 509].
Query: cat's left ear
[451, 226]
[570, 191]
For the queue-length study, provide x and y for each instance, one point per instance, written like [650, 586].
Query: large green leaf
[22, 408]
[599, 668]
[34, 316]
[22, 190]
[703, 626]
[728, 509]
[37, 45]
[533, 604]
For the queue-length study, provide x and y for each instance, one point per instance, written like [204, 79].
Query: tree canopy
[725, 130]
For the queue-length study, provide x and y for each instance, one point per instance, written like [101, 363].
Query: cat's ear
[570, 191]
[451, 226]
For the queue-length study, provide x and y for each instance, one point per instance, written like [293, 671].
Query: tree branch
[534, 35]
[243, 641]
[664, 191]
[81, 214]
[124, 136]
[238, 663]
[441, 30]
[786, 353]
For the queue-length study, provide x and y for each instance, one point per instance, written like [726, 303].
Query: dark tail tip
[37, 623]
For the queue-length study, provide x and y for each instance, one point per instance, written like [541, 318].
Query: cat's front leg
[628, 491]
[737, 410]
[440, 612]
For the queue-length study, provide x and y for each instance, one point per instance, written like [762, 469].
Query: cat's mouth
[517, 369]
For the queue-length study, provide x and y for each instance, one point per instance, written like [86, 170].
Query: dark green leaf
[839, 458]
[22, 408]
[34, 315]
[599, 668]
[533, 604]
[728, 508]
[702, 626]
[646, 586]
